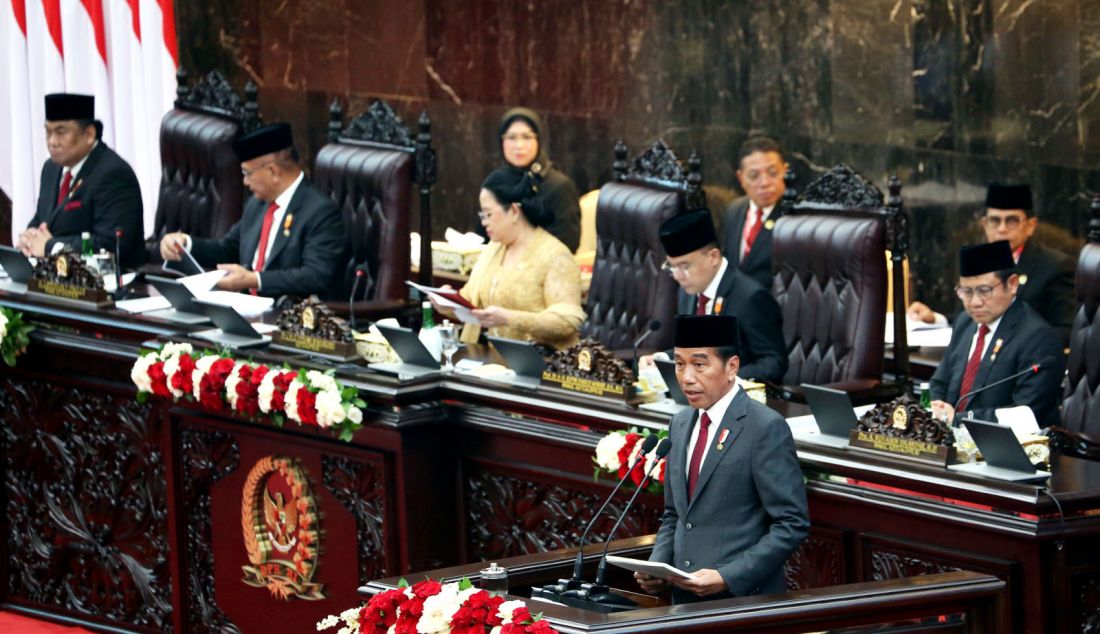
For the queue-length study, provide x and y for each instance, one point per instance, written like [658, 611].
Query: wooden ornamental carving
[590, 368]
[86, 503]
[358, 486]
[842, 188]
[205, 457]
[310, 325]
[1086, 590]
[66, 276]
[896, 565]
[379, 124]
[508, 516]
[818, 563]
[425, 176]
[1094, 221]
[212, 94]
[904, 429]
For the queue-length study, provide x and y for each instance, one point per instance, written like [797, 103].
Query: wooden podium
[960, 601]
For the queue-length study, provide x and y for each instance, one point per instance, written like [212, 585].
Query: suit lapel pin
[722, 439]
[718, 305]
[1023, 279]
[76, 186]
[289, 220]
[769, 224]
[996, 348]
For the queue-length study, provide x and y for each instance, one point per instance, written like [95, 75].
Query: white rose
[172, 349]
[139, 374]
[439, 610]
[202, 366]
[321, 381]
[266, 391]
[171, 368]
[607, 451]
[355, 415]
[290, 400]
[507, 608]
[231, 383]
[330, 408]
[3, 326]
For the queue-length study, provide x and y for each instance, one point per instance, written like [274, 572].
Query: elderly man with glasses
[1046, 276]
[998, 337]
[710, 285]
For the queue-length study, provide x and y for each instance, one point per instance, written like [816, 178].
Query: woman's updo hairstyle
[512, 185]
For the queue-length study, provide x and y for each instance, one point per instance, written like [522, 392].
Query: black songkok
[62, 106]
[706, 331]
[979, 259]
[1008, 196]
[687, 232]
[266, 140]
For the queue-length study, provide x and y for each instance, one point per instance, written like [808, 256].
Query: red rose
[521, 615]
[410, 615]
[540, 627]
[281, 383]
[159, 380]
[476, 613]
[248, 393]
[427, 588]
[307, 407]
[661, 470]
[626, 450]
[181, 380]
[381, 612]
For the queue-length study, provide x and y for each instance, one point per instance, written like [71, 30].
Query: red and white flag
[122, 51]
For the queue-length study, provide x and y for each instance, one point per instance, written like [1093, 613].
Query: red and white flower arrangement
[222, 384]
[617, 450]
[431, 607]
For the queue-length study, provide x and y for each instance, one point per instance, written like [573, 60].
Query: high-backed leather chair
[1080, 432]
[201, 192]
[369, 168]
[830, 282]
[628, 288]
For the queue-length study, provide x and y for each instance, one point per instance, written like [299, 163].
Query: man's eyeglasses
[248, 173]
[1010, 222]
[966, 293]
[673, 269]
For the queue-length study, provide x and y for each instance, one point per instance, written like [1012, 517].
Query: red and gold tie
[697, 454]
[753, 231]
[973, 364]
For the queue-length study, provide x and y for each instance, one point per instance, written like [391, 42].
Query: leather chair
[830, 282]
[628, 288]
[201, 191]
[369, 169]
[1079, 434]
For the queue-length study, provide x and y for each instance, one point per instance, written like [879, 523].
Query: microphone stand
[351, 300]
[654, 326]
[965, 398]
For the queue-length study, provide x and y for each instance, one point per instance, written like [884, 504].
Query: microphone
[1031, 369]
[359, 274]
[654, 326]
[648, 443]
[662, 451]
[118, 257]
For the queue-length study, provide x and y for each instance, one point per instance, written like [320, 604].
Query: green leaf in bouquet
[465, 584]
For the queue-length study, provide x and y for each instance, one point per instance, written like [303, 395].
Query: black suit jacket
[763, 351]
[749, 511]
[104, 197]
[303, 260]
[758, 265]
[1047, 280]
[1025, 338]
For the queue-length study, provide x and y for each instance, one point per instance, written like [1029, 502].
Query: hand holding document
[449, 299]
[657, 569]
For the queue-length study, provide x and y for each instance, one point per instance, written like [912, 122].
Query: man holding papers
[290, 238]
[735, 502]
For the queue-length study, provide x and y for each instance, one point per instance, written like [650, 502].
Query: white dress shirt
[716, 412]
[711, 291]
[749, 217]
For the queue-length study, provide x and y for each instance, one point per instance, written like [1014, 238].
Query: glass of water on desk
[449, 338]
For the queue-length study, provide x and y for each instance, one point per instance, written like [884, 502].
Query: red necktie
[752, 231]
[973, 364]
[701, 307]
[63, 193]
[697, 454]
[261, 249]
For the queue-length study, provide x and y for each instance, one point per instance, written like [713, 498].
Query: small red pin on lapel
[722, 439]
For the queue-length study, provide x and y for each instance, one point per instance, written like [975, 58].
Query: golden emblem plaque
[584, 360]
[900, 418]
[62, 266]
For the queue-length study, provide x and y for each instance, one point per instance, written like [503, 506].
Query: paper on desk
[919, 333]
[143, 304]
[203, 282]
[245, 304]
[1021, 419]
[443, 299]
[658, 569]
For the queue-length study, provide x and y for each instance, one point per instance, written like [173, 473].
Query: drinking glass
[450, 344]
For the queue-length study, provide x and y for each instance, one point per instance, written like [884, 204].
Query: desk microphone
[654, 326]
[662, 451]
[359, 274]
[647, 446]
[118, 257]
[1031, 369]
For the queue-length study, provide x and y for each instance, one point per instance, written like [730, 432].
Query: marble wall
[949, 94]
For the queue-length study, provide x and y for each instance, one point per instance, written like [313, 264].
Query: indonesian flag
[122, 51]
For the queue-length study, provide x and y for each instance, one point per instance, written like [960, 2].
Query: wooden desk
[129, 515]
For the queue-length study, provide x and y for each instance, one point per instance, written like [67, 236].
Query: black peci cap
[266, 140]
[687, 232]
[64, 106]
[979, 259]
[707, 331]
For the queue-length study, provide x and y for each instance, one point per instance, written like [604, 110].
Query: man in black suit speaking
[290, 237]
[735, 501]
[710, 285]
[998, 336]
[85, 187]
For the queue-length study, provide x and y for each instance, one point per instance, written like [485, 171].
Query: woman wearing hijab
[525, 284]
[523, 148]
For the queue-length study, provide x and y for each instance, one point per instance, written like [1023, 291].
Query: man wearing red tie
[998, 336]
[747, 225]
[290, 237]
[735, 501]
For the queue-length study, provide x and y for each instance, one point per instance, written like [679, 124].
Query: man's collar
[283, 199]
[75, 169]
[767, 210]
[717, 411]
[711, 291]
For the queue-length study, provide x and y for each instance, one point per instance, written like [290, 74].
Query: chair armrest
[1074, 443]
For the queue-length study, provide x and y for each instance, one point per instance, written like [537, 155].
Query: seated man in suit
[85, 187]
[748, 222]
[997, 337]
[710, 286]
[290, 237]
[1046, 276]
[735, 502]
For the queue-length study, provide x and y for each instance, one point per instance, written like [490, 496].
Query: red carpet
[24, 625]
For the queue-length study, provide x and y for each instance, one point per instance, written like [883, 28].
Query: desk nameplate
[903, 448]
[70, 293]
[589, 386]
[338, 350]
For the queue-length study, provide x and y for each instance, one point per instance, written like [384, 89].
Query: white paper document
[443, 297]
[919, 334]
[143, 304]
[657, 569]
[203, 282]
[245, 304]
[1020, 418]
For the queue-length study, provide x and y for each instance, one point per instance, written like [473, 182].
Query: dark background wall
[949, 94]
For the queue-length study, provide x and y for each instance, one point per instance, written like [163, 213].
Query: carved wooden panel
[86, 503]
[205, 457]
[818, 562]
[359, 486]
[886, 558]
[1086, 596]
[509, 514]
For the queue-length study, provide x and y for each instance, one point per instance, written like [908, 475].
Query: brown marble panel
[1088, 110]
